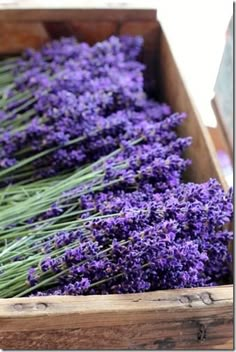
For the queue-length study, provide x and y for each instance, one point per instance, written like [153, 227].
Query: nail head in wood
[206, 298]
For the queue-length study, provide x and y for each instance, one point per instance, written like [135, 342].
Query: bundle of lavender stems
[92, 198]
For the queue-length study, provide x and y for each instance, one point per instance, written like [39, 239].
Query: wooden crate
[199, 318]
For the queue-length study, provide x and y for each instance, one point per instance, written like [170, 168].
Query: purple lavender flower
[32, 277]
[135, 225]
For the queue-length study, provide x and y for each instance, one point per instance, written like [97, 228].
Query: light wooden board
[187, 318]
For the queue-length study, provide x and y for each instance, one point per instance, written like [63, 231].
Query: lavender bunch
[91, 82]
[94, 202]
[136, 241]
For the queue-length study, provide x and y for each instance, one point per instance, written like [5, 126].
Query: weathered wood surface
[198, 318]
[15, 37]
[44, 14]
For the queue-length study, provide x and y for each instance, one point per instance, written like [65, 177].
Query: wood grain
[195, 318]
[94, 31]
[15, 37]
[75, 14]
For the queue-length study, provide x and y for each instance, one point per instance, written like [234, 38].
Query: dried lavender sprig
[18, 211]
[21, 285]
[113, 43]
[198, 190]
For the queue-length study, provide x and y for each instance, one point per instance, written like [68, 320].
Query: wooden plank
[174, 92]
[74, 14]
[145, 336]
[195, 318]
[56, 30]
[223, 128]
[93, 31]
[15, 37]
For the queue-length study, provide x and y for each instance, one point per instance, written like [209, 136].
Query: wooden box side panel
[200, 318]
[81, 12]
[15, 37]
[174, 92]
[161, 74]
[23, 28]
